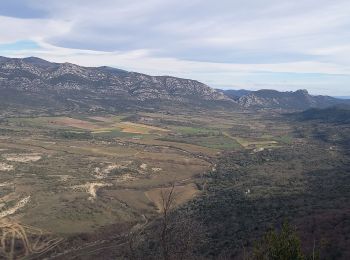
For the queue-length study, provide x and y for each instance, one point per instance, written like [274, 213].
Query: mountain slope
[235, 94]
[335, 114]
[298, 100]
[33, 82]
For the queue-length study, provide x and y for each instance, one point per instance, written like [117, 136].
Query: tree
[168, 202]
[283, 245]
[180, 234]
[175, 235]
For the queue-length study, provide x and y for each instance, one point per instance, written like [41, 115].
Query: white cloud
[216, 42]
[16, 29]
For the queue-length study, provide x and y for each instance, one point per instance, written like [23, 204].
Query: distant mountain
[343, 97]
[336, 114]
[298, 100]
[35, 83]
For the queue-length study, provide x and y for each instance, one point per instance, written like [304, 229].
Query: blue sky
[252, 44]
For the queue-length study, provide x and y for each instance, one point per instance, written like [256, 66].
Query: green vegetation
[72, 135]
[218, 142]
[114, 133]
[187, 130]
[285, 139]
[337, 114]
[279, 245]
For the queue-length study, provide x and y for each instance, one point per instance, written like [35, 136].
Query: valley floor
[77, 184]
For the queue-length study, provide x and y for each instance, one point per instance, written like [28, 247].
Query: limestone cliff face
[33, 74]
[33, 82]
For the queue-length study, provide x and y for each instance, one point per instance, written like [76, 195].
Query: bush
[283, 245]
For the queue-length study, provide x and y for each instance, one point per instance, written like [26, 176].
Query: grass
[219, 142]
[249, 143]
[137, 128]
[285, 139]
[114, 133]
[194, 130]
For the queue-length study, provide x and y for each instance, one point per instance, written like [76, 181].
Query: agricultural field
[79, 174]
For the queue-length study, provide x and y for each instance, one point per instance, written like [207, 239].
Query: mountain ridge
[336, 114]
[98, 87]
[288, 100]
[34, 83]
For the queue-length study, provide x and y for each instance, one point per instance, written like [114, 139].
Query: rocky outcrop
[35, 83]
[33, 79]
[298, 100]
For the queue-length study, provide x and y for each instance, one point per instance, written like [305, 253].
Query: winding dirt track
[24, 242]
[97, 246]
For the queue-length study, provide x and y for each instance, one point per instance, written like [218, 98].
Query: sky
[229, 44]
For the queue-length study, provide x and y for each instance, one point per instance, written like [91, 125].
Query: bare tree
[168, 203]
[175, 235]
[180, 234]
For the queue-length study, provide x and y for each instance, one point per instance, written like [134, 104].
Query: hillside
[298, 100]
[336, 114]
[235, 94]
[35, 83]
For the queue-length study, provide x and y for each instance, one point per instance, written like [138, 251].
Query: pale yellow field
[182, 194]
[129, 127]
